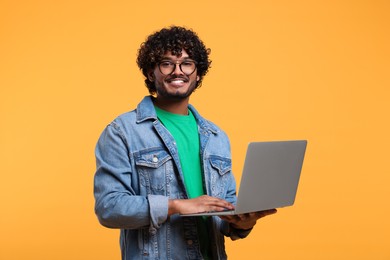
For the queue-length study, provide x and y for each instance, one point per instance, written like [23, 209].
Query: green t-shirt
[184, 130]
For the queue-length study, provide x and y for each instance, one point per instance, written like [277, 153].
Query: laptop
[270, 177]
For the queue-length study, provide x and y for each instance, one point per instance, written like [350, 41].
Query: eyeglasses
[166, 67]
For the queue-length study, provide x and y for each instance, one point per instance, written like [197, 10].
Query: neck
[173, 106]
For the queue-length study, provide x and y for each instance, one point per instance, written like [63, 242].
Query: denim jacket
[138, 171]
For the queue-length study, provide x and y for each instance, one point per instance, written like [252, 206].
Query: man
[163, 159]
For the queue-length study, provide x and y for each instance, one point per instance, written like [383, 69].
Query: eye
[187, 63]
[166, 64]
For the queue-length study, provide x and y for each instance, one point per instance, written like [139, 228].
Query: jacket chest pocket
[155, 170]
[219, 169]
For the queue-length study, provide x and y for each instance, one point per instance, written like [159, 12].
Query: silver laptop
[270, 177]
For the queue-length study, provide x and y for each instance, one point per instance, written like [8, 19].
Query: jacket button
[189, 242]
[155, 159]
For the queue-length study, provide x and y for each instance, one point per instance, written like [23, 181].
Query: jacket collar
[145, 111]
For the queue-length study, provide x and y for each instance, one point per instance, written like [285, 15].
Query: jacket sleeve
[116, 203]
[234, 233]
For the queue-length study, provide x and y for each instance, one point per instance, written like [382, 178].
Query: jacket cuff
[158, 208]
[234, 233]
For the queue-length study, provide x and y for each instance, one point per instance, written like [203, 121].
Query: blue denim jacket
[138, 170]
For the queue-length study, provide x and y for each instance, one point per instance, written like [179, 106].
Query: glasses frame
[177, 63]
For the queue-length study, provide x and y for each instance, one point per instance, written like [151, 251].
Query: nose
[177, 70]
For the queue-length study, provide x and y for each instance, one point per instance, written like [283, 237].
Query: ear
[151, 76]
[197, 78]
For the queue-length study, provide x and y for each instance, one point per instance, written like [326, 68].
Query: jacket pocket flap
[221, 164]
[152, 157]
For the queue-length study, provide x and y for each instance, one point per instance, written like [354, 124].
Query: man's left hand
[247, 220]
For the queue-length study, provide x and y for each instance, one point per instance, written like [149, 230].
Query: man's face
[177, 85]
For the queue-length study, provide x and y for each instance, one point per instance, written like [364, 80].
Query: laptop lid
[270, 177]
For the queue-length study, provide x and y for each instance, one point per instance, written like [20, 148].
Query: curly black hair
[173, 39]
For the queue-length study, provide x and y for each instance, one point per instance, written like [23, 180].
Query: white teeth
[177, 81]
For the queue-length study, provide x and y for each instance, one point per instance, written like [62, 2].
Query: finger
[208, 203]
[220, 203]
[227, 218]
[264, 213]
[231, 218]
[270, 212]
[219, 208]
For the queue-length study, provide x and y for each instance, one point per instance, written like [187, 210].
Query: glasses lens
[167, 67]
[188, 67]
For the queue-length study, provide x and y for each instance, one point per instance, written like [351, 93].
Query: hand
[200, 204]
[247, 220]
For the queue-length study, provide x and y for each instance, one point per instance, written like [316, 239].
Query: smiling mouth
[177, 81]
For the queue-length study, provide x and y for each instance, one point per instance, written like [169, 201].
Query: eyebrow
[182, 59]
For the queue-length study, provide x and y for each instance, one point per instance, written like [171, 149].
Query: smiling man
[164, 159]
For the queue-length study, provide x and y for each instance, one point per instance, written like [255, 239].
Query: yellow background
[316, 70]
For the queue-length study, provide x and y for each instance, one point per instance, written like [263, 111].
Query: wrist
[240, 228]
[173, 207]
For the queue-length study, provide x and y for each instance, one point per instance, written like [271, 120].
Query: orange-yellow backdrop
[317, 70]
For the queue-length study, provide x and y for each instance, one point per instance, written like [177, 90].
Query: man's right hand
[200, 204]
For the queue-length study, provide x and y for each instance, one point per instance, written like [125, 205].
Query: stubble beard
[176, 96]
